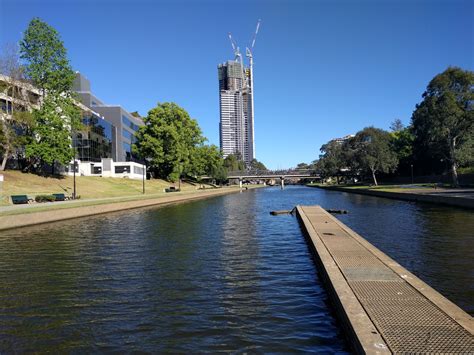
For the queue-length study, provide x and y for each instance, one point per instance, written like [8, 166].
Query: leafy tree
[234, 162]
[207, 160]
[331, 160]
[54, 121]
[443, 123]
[48, 66]
[302, 166]
[257, 165]
[373, 151]
[168, 139]
[402, 145]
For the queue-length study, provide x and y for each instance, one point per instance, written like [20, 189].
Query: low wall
[407, 196]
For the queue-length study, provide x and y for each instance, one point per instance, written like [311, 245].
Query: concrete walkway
[384, 308]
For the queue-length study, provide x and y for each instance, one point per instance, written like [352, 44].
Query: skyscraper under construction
[236, 105]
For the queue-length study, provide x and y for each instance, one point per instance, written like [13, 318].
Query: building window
[128, 123]
[122, 169]
[126, 134]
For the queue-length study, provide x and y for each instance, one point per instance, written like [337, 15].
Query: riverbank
[443, 196]
[27, 215]
[87, 187]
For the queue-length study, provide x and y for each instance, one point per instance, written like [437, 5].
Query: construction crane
[238, 55]
[248, 51]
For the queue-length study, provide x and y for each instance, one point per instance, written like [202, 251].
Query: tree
[402, 145]
[331, 160]
[257, 165]
[234, 162]
[373, 151]
[168, 139]
[54, 121]
[302, 166]
[48, 66]
[444, 121]
[207, 160]
[396, 125]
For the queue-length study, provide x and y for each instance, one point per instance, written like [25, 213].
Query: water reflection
[213, 275]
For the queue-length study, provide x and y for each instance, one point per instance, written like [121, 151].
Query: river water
[209, 276]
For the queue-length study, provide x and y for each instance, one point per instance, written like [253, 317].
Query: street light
[412, 180]
[144, 169]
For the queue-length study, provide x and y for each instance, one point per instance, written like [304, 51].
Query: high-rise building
[236, 110]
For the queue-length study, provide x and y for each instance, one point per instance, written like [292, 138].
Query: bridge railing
[276, 173]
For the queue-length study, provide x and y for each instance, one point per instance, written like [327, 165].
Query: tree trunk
[52, 169]
[454, 173]
[373, 176]
[4, 160]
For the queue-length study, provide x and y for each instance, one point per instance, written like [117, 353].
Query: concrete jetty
[382, 306]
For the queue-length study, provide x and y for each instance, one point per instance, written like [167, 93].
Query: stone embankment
[450, 197]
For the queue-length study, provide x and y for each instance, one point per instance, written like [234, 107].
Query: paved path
[384, 307]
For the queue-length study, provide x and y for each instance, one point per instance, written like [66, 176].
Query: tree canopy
[47, 64]
[169, 140]
[48, 68]
[373, 152]
[443, 123]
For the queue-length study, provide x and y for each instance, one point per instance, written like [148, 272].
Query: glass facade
[127, 123]
[94, 141]
[126, 134]
[127, 149]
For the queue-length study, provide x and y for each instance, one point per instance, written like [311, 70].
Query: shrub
[45, 198]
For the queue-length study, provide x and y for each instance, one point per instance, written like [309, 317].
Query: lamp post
[143, 175]
[412, 180]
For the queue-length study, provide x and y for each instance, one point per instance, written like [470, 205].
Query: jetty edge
[383, 308]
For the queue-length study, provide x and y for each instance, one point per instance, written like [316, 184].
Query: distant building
[343, 139]
[126, 125]
[236, 124]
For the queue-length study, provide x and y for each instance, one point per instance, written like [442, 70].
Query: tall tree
[168, 140]
[331, 160]
[48, 66]
[373, 151]
[257, 165]
[234, 162]
[444, 120]
[54, 121]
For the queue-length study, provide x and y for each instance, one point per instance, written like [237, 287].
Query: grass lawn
[18, 183]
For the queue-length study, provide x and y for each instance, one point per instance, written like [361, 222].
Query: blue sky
[323, 69]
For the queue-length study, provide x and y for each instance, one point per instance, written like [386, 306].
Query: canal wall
[30, 218]
[408, 196]
[382, 306]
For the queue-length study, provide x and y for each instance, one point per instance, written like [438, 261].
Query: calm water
[214, 275]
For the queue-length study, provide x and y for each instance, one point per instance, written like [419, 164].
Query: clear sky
[323, 69]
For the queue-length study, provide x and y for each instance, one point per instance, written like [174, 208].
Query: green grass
[88, 187]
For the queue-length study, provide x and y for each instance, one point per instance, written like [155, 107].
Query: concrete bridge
[271, 175]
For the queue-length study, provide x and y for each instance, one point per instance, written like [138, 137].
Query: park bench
[20, 199]
[60, 197]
